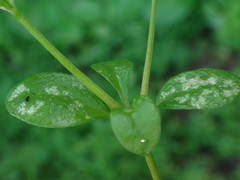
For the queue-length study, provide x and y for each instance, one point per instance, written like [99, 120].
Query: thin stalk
[65, 62]
[150, 44]
[152, 167]
[146, 77]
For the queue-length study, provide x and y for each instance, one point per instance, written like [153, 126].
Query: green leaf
[54, 100]
[199, 89]
[137, 128]
[7, 5]
[118, 73]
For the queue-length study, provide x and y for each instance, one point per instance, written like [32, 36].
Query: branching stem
[65, 62]
[89, 83]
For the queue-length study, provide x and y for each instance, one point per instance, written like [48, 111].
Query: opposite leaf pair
[61, 100]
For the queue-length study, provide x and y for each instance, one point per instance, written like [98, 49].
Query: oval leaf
[54, 100]
[118, 73]
[199, 89]
[138, 129]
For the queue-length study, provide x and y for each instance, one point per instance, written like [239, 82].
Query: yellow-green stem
[65, 62]
[150, 44]
[152, 167]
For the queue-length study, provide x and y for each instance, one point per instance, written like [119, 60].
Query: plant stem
[65, 62]
[148, 60]
[146, 76]
[152, 167]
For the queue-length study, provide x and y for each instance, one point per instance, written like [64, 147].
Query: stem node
[111, 103]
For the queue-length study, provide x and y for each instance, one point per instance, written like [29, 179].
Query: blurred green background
[190, 34]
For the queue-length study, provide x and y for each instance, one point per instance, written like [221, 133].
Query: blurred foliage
[190, 34]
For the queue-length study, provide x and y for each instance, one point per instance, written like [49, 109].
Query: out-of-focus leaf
[137, 128]
[223, 18]
[118, 73]
[54, 100]
[174, 11]
[199, 89]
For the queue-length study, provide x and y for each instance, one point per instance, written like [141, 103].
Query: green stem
[152, 167]
[65, 62]
[148, 60]
[146, 76]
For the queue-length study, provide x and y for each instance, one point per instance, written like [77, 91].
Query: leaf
[118, 73]
[54, 100]
[137, 128]
[7, 5]
[199, 89]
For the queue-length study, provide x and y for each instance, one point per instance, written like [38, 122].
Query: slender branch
[152, 167]
[148, 60]
[65, 62]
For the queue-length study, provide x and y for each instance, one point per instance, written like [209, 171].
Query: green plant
[61, 100]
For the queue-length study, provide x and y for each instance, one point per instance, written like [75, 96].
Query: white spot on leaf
[192, 83]
[228, 83]
[23, 109]
[78, 85]
[181, 79]
[71, 108]
[195, 82]
[75, 107]
[79, 104]
[19, 90]
[235, 91]
[182, 99]
[65, 93]
[52, 90]
[88, 117]
[212, 80]
[227, 93]
[165, 94]
[198, 102]
[206, 91]
[231, 93]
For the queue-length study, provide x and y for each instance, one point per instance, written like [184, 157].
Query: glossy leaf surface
[118, 73]
[54, 100]
[199, 89]
[138, 129]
